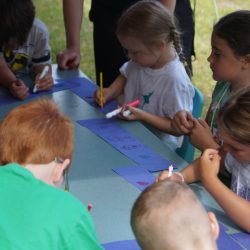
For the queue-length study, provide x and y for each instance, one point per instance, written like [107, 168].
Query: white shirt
[163, 92]
[34, 51]
[240, 183]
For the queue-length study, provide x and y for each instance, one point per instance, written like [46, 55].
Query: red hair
[36, 133]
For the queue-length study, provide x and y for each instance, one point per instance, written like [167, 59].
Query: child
[154, 74]
[24, 46]
[35, 153]
[230, 64]
[234, 129]
[168, 215]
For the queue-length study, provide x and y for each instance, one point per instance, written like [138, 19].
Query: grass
[50, 12]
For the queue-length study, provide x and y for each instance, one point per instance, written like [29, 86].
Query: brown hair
[17, 17]
[150, 22]
[234, 28]
[36, 133]
[166, 209]
[234, 117]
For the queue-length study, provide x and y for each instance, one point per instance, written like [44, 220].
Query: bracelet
[181, 176]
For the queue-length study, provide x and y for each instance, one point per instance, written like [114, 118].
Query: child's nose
[209, 58]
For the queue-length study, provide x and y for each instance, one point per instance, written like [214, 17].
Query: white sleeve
[42, 50]
[227, 161]
[124, 69]
[180, 97]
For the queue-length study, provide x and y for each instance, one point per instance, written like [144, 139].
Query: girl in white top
[154, 74]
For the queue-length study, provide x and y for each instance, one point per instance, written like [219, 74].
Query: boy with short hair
[24, 47]
[37, 144]
[168, 215]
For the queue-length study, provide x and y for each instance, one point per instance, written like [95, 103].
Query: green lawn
[50, 12]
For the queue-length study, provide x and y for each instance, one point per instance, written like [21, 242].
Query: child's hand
[45, 83]
[176, 176]
[68, 59]
[131, 113]
[201, 136]
[106, 96]
[209, 165]
[19, 89]
[182, 122]
[162, 176]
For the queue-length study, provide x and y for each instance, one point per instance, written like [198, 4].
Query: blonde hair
[150, 22]
[234, 117]
[167, 209]
[36, 133]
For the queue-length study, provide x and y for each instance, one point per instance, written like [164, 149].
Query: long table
[92, 179]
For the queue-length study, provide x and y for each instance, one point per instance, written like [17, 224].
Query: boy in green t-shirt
[36, 150]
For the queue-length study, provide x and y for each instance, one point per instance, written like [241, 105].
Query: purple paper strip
[225, 241]
[85, 89]
[110, 131]
[122, 245]
[59, 86]
[243, 239]
[137, 176]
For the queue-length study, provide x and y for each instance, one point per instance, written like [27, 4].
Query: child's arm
[190, 173]
[237, 208]
[47, 81]
[7, 77]
[70, 57]
[201, 136]
[8, 80]
[164, 124]
[183, 122]
[112, 92]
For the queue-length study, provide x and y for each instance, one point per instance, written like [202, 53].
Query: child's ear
[214, 225]
[58, 171]
[160, 45]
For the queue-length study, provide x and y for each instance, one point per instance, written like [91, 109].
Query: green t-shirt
[220, 95]
[34, 215]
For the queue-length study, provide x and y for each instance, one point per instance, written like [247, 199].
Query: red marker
[90, 207]
[117, 111]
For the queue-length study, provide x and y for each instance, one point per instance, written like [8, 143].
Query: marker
[90, 207]
[170, 170]
[117, 111]
[43, 74]
[126, 113]
[101, 89]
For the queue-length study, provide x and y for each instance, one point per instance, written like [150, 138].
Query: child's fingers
[190, 117]
[45, 83]
[210, 152]
[203, 123]
[185, 129]
[163, 176]
[97, 96]
[210, 155]
[179, 127]
[182, 122]
[186, 120]
[19, 90]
